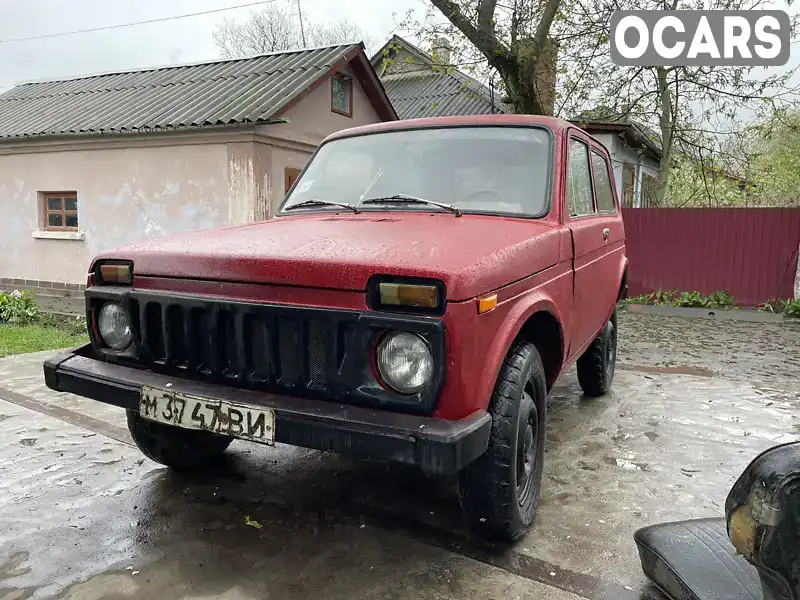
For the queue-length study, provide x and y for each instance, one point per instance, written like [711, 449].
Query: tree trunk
[519, 65]
[666, 122]
[532, 84]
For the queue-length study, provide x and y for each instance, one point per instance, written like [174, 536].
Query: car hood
[471, 254]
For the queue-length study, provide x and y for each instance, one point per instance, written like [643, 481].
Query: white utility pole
[302, 31]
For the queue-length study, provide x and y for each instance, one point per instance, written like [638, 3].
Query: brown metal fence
[749, 252]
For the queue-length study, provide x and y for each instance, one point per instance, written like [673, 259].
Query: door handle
[606, 233]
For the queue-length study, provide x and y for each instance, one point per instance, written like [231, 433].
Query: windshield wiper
[406, 199]
[316, 202]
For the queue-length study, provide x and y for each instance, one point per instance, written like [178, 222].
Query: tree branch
[485, 16]
[486, 42]
[543, 29]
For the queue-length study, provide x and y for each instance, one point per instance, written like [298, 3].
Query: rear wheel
[597, 364]
[181, 449]
[500, 490]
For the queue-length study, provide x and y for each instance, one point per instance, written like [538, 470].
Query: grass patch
[20, 339]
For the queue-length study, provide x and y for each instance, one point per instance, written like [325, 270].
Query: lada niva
[416, 296]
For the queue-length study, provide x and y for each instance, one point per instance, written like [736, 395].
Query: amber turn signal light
[487, 303]
[116, 274]
[403, 294]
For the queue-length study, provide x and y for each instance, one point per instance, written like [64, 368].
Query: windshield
[476, 169]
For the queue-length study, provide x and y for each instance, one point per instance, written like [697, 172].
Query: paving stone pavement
[84, 516]
[764, 353]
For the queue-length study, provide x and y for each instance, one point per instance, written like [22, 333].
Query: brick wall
[43, 288]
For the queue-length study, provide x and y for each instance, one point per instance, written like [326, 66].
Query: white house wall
[622, 154]
[124, 196]
[134, 188]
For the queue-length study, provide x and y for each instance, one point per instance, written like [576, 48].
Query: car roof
[468, 120]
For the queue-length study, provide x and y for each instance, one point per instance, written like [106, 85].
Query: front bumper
[435, 445]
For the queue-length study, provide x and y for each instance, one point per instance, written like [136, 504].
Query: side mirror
[763, 519]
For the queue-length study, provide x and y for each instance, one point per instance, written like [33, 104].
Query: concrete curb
[748, 315]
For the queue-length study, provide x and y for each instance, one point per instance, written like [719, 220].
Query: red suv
[420, 290]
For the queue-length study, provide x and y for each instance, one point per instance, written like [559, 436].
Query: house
[420, 84]
[92, 163]
[635, 156]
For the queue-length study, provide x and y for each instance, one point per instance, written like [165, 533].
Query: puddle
[696, 371]
[627, 464]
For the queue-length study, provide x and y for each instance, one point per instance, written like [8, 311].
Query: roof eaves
[126, 132]
[629, 129]
[373, 87]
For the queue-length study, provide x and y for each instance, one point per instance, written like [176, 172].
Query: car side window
[602, 184]
[579, 181]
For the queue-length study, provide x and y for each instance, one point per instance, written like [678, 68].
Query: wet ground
[84, 516]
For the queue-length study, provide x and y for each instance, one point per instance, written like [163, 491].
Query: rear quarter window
[602, 184]
[579, 181]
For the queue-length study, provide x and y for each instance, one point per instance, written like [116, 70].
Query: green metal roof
[247, 90]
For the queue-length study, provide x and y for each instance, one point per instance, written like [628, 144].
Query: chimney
[542, 78]
[545, 76]
[440, 50]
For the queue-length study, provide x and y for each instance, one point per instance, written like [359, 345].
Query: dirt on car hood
[471, 254]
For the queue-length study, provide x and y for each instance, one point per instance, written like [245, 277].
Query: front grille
[250, 344]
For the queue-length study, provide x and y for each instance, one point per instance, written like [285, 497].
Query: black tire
[500, 490]
[181, 449]
[597, 364]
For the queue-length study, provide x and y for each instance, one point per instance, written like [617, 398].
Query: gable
[311, 119]
[403, 61]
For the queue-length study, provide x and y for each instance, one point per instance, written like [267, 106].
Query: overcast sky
[156, 44]
[170, 42]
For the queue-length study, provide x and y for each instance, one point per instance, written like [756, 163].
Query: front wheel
[597, 364]
[500, 490]
[181, 449]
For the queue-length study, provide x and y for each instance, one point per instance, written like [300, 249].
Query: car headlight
[404, 362]
[114, 327]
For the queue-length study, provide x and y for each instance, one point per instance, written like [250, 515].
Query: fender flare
[508, 333]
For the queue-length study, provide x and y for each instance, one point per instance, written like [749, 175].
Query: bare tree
[684, 105]
[272, 28]
[276, 28]
[338, 32]
[510, 38]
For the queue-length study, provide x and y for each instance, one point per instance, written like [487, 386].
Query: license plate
[243, 421]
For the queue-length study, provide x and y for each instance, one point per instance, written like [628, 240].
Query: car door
[596, 239]
[613, 229]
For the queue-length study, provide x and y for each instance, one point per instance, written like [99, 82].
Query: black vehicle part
[769, 491]
[596, 365]
[500, 490]
[694, 560]
[317, 353]
[438, 446]
[752, 554]
[181, 449]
